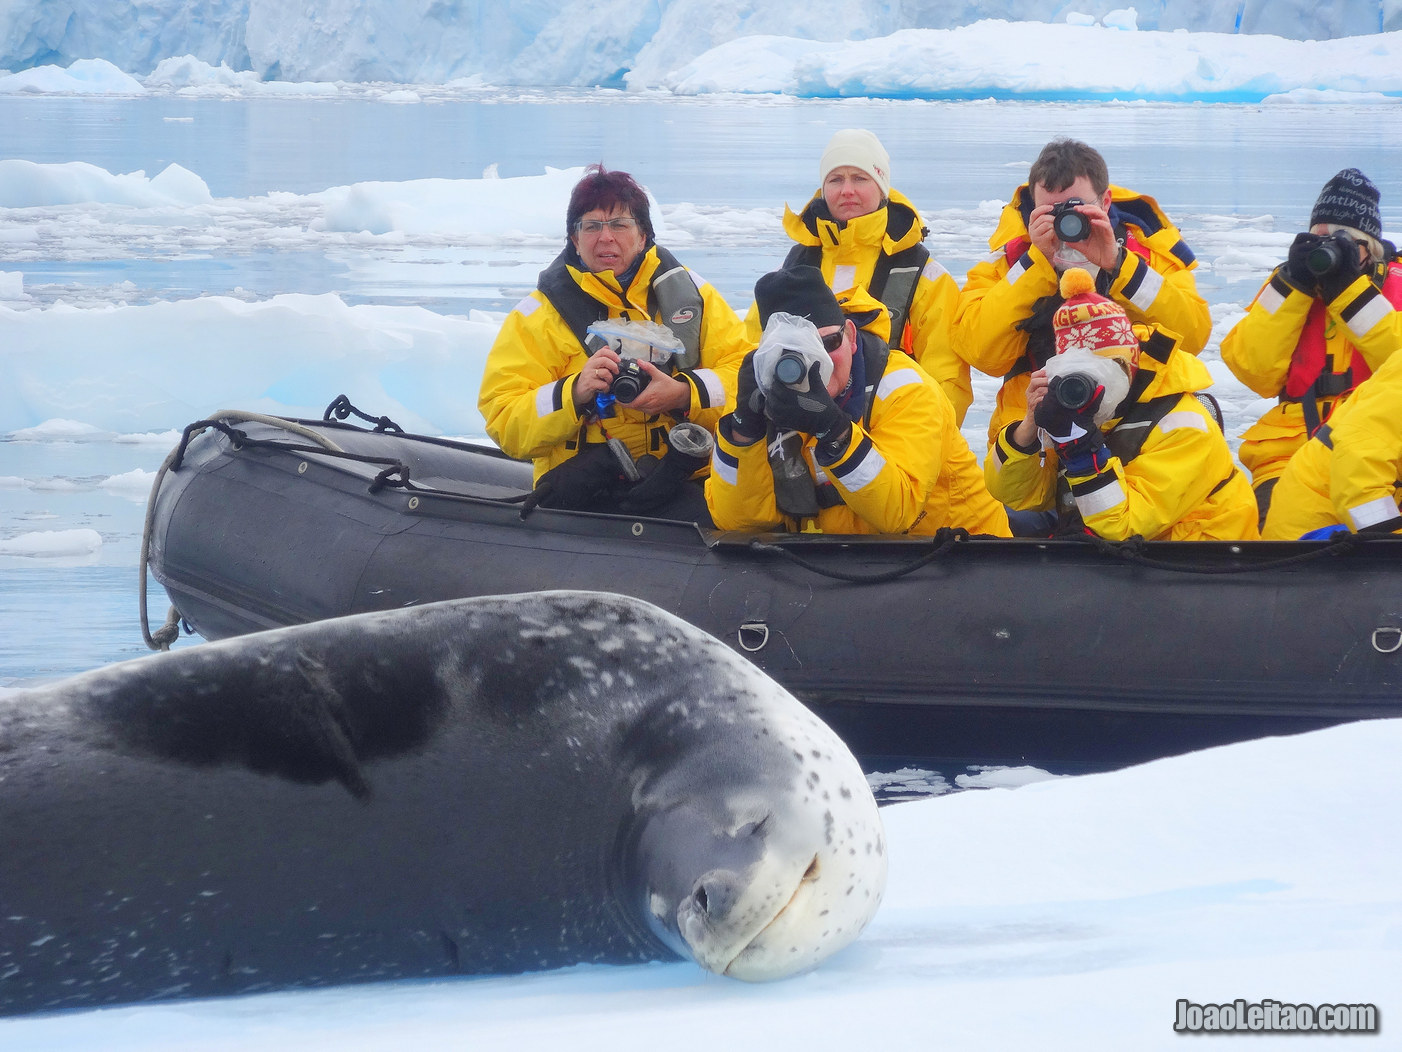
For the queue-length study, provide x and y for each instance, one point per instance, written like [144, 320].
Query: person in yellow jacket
[1066, 216]
[1114, 438]
[1322, 323]
[856, 439]
[1348, 476]
[862, 234]
[549, 387]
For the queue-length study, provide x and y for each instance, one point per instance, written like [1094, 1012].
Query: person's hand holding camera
[1077, 224]
[596, 377]
[1323, 264]
[811, 410]
[747, 419]
[1296, 269]
[1068, 418]
[1344, 266]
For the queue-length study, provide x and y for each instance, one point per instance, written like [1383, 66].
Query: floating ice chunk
[52, 544]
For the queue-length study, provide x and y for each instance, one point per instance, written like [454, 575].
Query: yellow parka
[910, 471]
[1348, 472]
[1259, 349]
[850, 252]
[1182, 485]
[528, 380]
[1154, 285]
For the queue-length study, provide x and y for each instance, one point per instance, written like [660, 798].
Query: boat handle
[755, 630]
[1387, 640]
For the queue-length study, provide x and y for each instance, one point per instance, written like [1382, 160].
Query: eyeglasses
[619, 224]
[832, 342]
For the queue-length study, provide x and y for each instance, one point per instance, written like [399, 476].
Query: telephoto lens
[789, 368]
[1072, 390]
[1069, 224]
[629, 382]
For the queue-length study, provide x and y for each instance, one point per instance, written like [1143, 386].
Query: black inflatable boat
[1066, 654]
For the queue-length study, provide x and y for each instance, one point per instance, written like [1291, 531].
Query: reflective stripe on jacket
[1348, 473]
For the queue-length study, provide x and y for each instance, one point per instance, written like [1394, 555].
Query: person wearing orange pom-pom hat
[1113, 437]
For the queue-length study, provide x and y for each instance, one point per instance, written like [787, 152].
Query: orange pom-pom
[1076, 282]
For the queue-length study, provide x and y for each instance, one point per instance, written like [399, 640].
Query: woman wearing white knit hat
[864, 235]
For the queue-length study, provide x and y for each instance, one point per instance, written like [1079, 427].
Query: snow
[50, 543]
[837, 50]
[1024, 911]
[1064, 914]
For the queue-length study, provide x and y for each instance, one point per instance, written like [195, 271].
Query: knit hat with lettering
[860, 149]
[800, 291]
[1349, 199]
[1090, 322]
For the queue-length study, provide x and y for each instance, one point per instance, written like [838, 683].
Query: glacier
[584, 43]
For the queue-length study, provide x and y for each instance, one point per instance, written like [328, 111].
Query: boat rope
[341, 408]
[1132, 550]
[945, 539]
[164, 636]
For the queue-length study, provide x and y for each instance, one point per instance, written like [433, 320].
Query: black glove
[812, 412]
[1346, 272]
[1073, 431]
[591, 480]
[1296, 269]
[688, 451]
[747, 419]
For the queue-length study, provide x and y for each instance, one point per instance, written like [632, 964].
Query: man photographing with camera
[1069, 216]
[1324, 321]
[834, 432]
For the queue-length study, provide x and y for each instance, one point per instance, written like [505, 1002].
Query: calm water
[1208, 165]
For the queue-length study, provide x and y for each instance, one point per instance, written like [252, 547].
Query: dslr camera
[1328, 255]
[1069, 224]
[1072, 390]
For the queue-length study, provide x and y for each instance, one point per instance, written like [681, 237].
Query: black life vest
[672, 299]
[893, 281]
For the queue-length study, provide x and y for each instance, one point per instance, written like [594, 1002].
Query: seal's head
[762, 868]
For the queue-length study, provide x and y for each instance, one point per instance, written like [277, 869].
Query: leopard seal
[487, 785]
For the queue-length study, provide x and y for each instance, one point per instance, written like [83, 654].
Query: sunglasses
[832, 342]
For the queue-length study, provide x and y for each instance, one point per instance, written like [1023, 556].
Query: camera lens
[629, 382]
[1071, 226]
[1072, 390]
[1325, 258]
[789, 368]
